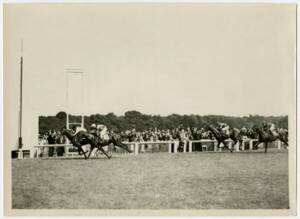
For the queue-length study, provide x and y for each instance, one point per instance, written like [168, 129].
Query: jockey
[93, 129]
[103, 132]
[78, 129]
[225, 128]
[273, 129]
[265, 126]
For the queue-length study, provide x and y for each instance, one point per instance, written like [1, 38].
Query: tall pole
[67, 101]
[70, 71]
[20, 112]
[82, 111]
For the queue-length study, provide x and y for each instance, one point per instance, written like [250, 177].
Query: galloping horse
[83, 138]
[267, 137]
[234, 135]
[114, 139]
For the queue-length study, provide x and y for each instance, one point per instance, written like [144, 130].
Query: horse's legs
[80, 149]
[285, 142]
[227, 146]
[255, 146]
[218, 145]
[121, 145]
[92, 148]
[103, 151]
[233, 144]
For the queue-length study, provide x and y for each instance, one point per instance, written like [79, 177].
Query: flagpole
[21, 94]
[20, 154]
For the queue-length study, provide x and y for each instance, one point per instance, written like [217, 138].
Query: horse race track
[155, 181]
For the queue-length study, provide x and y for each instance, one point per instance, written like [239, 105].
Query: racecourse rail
[139, 147]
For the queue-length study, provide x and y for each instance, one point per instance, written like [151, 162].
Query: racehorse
[234, 135]
[267, 137]
[114, 139]
[83, 138]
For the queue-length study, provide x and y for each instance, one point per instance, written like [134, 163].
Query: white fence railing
[139, 147]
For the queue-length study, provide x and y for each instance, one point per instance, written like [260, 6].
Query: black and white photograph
[149, 109]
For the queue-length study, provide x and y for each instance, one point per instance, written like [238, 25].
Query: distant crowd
[52, 137]
[155, 134]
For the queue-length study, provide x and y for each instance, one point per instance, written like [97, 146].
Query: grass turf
[154, 181]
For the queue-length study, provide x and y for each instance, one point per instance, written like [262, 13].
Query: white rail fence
[140, 147]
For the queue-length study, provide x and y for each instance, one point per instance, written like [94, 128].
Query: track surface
[245, 180]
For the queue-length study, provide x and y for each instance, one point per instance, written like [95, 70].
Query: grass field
[154, 181]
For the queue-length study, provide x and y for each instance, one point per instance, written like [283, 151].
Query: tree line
[139, 121]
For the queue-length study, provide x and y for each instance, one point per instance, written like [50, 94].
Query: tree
[61, 115]
[139, 121]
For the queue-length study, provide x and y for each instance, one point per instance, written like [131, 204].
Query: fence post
[230, 145]
[238, 146]
[20, 154]
[132, 148]
[184, 146]
[66, 151]
[243, 145]
[220, 148]
[136, 148]
[142, 148]
[37, 152]
[170, 147]
[190, 146]
[251, 144]
[215, 145]
[278, 144]
[176, 143]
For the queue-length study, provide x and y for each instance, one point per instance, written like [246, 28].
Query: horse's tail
[283, 136]
[117, 140]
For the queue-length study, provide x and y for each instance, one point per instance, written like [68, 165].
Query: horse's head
[67, 133]
[209, 127]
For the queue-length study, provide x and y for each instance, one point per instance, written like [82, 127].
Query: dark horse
[267, 137]
[234, 135]
[83, 138]
[114, 139]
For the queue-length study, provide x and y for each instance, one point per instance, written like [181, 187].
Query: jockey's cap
[93, 125]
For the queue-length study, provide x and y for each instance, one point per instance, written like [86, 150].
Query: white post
[278, 144]
[243, 145]
[136, 148]
[170, 147]
[190, 146]
[184, 146]
[176, 143]
[230, 145]
[20, 154]
[215, 145]
[132, 147]
[238, 146]
[251, 144]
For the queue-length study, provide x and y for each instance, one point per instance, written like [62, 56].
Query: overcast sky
[157, 59]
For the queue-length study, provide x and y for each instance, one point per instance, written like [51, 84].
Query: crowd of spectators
[52, 137]
[155, 134]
